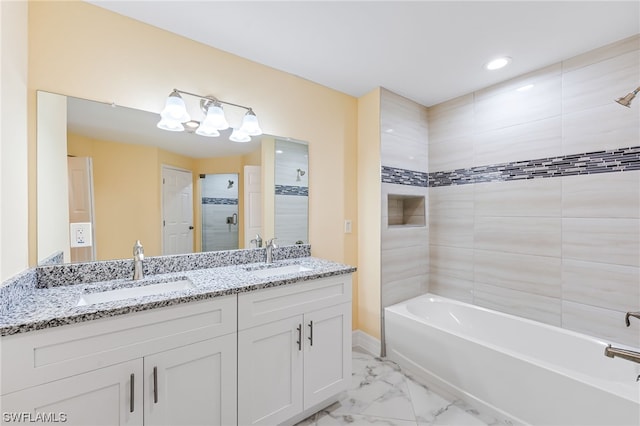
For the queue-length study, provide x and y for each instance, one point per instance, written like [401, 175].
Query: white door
[270, 372]
[177, 211]
[81, 203]
[99, 397]
[192, 385]
[252, 204]
[327, 358]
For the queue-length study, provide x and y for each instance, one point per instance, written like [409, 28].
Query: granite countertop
[40, 308]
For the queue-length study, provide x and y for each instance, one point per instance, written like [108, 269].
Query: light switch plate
[80, 234]
[347, 226]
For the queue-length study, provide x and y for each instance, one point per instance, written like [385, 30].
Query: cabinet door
[270, 372]
[99, 397]
[327, 358]
[193, 384]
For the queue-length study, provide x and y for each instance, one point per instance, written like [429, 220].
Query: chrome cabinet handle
[155, 385]
[131, 392]
[310, 333]
[299, 341]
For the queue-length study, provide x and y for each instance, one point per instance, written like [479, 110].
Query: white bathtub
[521, 370]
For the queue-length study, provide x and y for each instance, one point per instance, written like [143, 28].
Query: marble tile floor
[381, 394]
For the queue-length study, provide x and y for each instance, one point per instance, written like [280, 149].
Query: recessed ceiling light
[279, 151]
[498, 63]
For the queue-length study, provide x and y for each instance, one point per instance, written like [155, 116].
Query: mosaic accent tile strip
[301, 191]
[404, 176]
[59, 275]
[614, 160]
[220, 201]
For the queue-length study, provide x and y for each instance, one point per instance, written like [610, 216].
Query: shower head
[626, 100]
[300, 173]
[230, 185]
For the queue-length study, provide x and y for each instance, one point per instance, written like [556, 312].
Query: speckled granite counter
[25, 307]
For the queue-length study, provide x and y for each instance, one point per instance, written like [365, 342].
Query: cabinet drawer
[37, 357]
[271, 304]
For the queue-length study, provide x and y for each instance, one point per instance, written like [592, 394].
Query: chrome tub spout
[612, 352]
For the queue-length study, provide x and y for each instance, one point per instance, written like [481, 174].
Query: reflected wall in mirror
[291, 192]
[125, 155]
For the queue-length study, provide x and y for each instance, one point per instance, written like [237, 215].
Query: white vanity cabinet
[167, 366]
[294, 349]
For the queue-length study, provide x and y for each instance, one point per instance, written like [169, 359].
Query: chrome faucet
[631, 314]
[271, 244]
[138, 257]
[257, 241]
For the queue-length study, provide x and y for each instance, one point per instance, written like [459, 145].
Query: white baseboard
[366, 342]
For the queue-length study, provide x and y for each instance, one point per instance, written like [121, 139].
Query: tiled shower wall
[404, 248]
[551, 230]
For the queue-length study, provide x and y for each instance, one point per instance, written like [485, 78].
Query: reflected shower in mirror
[292, 192]
[219, 196]
[124, 154]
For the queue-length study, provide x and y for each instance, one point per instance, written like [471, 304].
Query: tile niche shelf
[405, 210]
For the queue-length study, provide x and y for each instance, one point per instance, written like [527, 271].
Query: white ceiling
[429, 51]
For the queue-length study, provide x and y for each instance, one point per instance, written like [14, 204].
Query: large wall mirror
[107, 176]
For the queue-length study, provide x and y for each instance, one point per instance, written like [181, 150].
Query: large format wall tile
[602, 240]
[605, 195]
[601, 284]
[451, 287]
[504, 105]
[452, 154]
[600, 128]
[532, 198]
[532, 274]
[396, 291]
[599, 83]
[604, 323]
[402, 153]
[534, 195]
[451, 119]
[520, 303]
[536, 139]
[526, 235]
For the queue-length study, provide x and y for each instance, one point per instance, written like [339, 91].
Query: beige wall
[127, 193]
[369, 213]
[13, 136]
[562, 250]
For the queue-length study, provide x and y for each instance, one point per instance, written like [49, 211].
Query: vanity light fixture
[626, 100]
[498, 63]
[175, 118]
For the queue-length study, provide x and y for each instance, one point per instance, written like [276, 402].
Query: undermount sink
[133, 292]
[280, 270]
